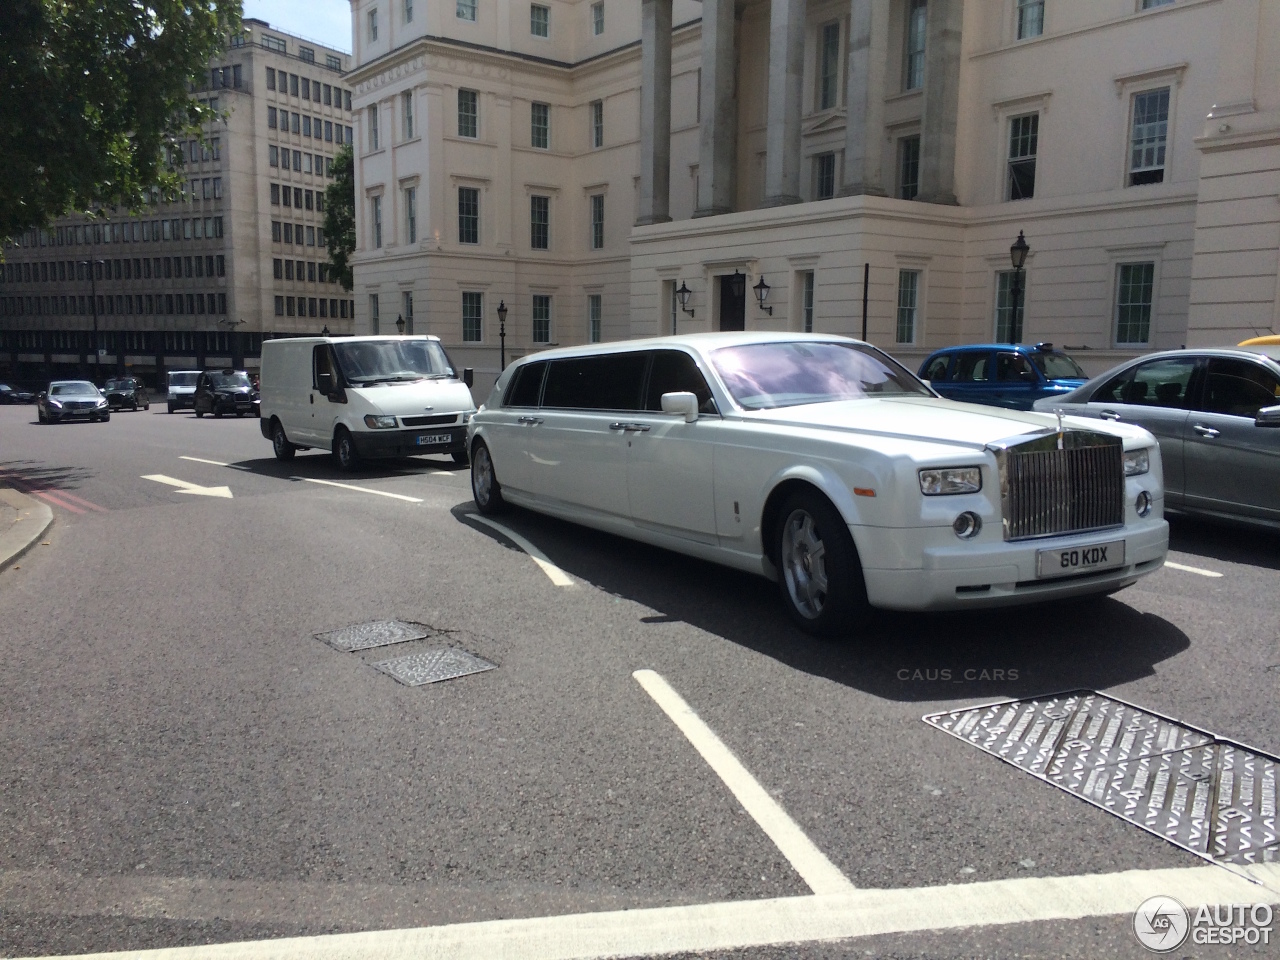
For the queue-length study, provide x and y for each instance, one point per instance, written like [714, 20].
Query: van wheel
[485, 489]
[199, 414]
[171, 408]
[344, 450]
[284, 450]
[820, 575]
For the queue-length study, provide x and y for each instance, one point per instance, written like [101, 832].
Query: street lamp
[400, 324]
[1018, 255]
[325, 331]
[93, 298]
[762, 294]
[738, 284]
[683, 295]
[502, 335]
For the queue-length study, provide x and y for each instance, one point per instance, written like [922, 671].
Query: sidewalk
[23, 520]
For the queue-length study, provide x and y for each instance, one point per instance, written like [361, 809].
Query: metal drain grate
[432, 666]
[378, 633]
[1210, 796]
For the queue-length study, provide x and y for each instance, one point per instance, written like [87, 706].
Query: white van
[364, 397]
[182, 389]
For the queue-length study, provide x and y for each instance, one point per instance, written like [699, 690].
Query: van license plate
[1065, 562]
[433, 439]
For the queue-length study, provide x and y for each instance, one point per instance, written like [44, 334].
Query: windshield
[386, 361]
[761, 376]
[230, 381]
[183, 379]
[1057, 366]
[119, 384]
[75, 388]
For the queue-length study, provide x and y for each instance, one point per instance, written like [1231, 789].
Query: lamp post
[502, 335]
[1018, 255]
[325, 331]
[93, 300]
[762, 295]
[682, 295]
[400, 324]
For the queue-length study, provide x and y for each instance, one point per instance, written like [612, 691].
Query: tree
[94, 91]
[340, 216]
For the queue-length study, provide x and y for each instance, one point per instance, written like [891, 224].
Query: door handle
[1109, 415]
[533, 421]
[1204, 431]
[638, 427]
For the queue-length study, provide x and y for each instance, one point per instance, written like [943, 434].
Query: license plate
[1065, 561]
[433, 439]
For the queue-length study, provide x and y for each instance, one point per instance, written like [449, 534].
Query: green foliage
[94, 90]
[340, 216]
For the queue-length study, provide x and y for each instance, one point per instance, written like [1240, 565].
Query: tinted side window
[937, 369]
[674, 371]
[973, 366]
[1239, 388]
[526, 385]
[610, 382]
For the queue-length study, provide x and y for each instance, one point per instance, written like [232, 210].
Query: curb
[34, 518]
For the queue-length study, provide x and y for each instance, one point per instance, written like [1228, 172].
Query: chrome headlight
[1137, 462]
[949, 480]
[379, 423]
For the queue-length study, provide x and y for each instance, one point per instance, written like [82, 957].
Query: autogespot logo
[1161, 924]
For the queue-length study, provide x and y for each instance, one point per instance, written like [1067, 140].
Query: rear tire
[819, 573]
[345, 452]
[284, 450]
[485, 489]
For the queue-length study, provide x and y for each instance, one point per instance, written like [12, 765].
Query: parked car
[822, 463]
[225, 391]
[128, 392]
[364, 397]
[182, 389]
[1216, 414]
[10, 394]
[1001, 374]
[69, 399]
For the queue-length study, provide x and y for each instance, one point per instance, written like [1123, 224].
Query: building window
[293, 86]
[271, 118]
[1150, 135]
[824, 176]
[829, 71]
[540, 132]
[406, 101]
[597, 123]
[908, 167]
[1134, 287]
[411, 214]
[408, 11]
[274, 43]
[407, 312]
[1024, 133]
[1149, 4]
[539, 20]
[274, 191]
[541, 318]
[373, 24]
[472, 317]
[806, 306]
[273, 156]
[468, 215]
[1030, 18]
[917, 19]
[597, 18]
[375, 204]
[597, 221]
[375, 313]
[373, 127]
[466, 10]
[1009, 326]
[540, 223]
[306, 55]
[332, 62]
[908, 305]
[594, 313]
[468, 113]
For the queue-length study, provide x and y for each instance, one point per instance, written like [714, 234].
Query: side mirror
[468, 376]
[681, 404]
[324, 383]
[1268, 417]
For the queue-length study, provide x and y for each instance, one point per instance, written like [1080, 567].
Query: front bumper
[235, 405]
[88, 413]
[182, 400]
[404, 443]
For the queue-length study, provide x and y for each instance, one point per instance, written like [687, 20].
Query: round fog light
[967, 525]
[1143, 504]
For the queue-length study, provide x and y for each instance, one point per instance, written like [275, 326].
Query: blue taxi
[1009, 375]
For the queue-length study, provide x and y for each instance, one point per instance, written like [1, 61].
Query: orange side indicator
[864, 492]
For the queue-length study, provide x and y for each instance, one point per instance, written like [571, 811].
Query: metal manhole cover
[378, 633]
[1213, 797]
[432, 666]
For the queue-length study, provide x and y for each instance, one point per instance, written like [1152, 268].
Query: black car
[126, 392]
[225, 391]
[10, 394]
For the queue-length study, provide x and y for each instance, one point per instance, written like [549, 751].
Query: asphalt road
[184, 763]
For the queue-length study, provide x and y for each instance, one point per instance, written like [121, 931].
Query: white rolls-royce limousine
[821, 463]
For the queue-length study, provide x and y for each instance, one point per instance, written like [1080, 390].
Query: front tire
[345, 452]
[485, 489]
[284, 450]
[41, 417]
[171, 408]
[106, 416]
[819, 573]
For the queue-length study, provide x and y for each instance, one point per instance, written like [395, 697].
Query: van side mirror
[324, 383]
[681, 404]
[1268, 417]
[468, 376]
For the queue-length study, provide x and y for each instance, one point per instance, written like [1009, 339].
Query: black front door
[733, 309]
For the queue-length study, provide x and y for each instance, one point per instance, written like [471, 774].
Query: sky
[325, 21]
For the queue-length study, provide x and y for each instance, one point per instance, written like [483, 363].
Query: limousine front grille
[1070, 482]
[429, 421]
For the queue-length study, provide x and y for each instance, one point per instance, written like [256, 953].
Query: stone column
[868, 60]
[655, 112]
[718, 107]
[786, 79]
[941, 101]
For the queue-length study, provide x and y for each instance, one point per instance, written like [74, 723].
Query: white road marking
[558, 576]
[347, 486]
[754, 923]
[815, 869]
[1185, 569]
[216, 463]
[191, 488]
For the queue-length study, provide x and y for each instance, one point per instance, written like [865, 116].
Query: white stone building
[518, 153]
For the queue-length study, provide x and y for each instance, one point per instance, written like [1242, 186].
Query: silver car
[1216, 413]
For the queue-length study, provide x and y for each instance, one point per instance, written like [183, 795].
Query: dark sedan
[1216, 413]
[10, 394]
[225, 391]
[71, 400]
[126, 392]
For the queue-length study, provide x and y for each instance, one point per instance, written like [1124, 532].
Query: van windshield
[386, 361]
[185, 379]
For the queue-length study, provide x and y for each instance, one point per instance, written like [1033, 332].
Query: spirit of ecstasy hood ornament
[1058, 412]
